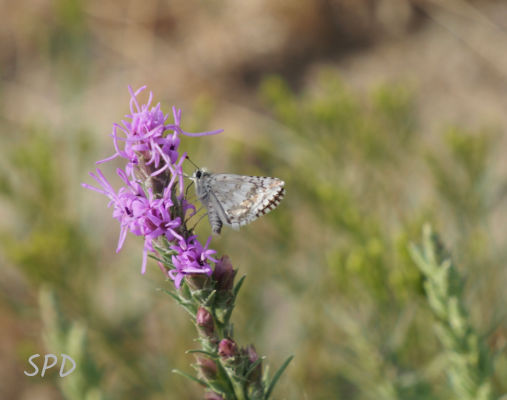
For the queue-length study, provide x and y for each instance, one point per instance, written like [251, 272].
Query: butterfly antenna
[193, 163]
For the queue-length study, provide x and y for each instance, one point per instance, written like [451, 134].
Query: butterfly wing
[240, 199]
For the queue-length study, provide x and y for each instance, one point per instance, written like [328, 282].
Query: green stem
[239, 391]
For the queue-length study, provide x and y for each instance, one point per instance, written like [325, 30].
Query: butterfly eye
[198, 174]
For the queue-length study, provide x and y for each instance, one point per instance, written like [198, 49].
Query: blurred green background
[380, 115]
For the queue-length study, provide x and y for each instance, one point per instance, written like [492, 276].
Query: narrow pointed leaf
[207, 353]
[277, 376]
[192, 378]
[210, 298]
[238, 286]
[171, 293]
[253, 366]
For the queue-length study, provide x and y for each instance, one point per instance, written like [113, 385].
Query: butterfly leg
[188, 187]
[199, 220]
[194, 214]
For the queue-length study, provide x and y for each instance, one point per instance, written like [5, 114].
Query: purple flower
[141, 215]
[130, 203]
[151, 147]
[191, 258]
[145, 134]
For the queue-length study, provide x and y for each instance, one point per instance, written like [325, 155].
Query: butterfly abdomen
[215, 221]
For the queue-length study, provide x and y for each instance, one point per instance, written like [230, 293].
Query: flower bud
[212, 396]
[227, 348]
[253, 357]
[224, 274]
[204, 321]
[207, 367]
[251, 353]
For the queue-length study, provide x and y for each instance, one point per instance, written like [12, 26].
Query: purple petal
[202, 133]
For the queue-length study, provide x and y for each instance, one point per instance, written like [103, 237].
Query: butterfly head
[199, 174]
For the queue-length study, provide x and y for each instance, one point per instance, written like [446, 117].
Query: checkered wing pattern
[237, 200]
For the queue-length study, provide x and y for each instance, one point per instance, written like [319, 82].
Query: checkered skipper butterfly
[236, 200]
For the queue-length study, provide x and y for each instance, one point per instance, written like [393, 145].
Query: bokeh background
[380, 115]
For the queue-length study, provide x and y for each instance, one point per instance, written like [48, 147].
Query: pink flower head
[150, 144]
[144, 130]
[130, 204]
[191, 258]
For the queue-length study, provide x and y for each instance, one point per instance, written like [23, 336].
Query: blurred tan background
[379, 114]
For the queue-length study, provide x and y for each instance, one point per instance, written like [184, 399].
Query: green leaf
[227, 378]
[277, 376]
[238, 286]
[164, 261]
[210, 298]
[172, 294]
[185, 291]
[187, 305]
[254, 365]
[199, 351]
[192, 378]
[218, 387]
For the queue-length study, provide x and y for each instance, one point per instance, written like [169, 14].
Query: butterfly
[236, 200]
